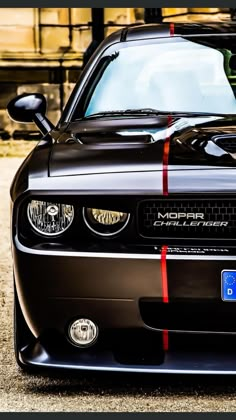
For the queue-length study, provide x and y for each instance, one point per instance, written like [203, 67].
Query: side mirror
[29, 108]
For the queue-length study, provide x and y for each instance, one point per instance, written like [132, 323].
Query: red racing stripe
[165, 295]
[164, 249]
[164, 274]
[166, 151]
[172, 29]
[165, 339]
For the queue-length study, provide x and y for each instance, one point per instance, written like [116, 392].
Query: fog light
[83, 332]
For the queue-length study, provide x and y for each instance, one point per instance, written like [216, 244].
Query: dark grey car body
[154, 293]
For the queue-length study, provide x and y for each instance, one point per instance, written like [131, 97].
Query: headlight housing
[105, 222]
[50, 219]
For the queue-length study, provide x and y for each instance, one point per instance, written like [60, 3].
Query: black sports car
[124, 215]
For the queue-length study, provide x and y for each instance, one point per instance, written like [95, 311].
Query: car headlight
[105, 222]
[50, 218]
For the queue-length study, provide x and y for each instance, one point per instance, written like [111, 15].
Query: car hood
[184, 144]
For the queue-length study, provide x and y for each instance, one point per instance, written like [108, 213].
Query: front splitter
[174, 362]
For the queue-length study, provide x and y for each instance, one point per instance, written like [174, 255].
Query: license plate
[228, 285]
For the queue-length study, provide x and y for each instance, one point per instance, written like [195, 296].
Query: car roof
[149, 31]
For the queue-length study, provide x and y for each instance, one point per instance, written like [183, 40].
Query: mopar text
[179, 215]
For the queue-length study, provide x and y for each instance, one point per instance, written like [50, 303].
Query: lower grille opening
[201, 315]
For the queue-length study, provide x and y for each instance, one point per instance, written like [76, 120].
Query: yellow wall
[20, 30]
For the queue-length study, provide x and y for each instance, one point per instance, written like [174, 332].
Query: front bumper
[58, 286]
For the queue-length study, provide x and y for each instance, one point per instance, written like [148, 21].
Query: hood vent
[115, 139]
[227, 143]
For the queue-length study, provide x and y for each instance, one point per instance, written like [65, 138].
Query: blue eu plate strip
[228, 285]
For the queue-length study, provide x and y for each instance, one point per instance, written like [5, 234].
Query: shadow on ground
[116, 384]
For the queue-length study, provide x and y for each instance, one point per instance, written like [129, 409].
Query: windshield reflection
[181, 75]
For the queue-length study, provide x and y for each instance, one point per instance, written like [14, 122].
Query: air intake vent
[188, 315]
[227, 143]
[116, 139]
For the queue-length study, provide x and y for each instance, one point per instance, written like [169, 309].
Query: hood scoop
[226, 142]
[116, 139]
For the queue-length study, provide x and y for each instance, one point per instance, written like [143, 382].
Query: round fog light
[83, 332]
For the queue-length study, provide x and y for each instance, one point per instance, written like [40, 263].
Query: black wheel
[22, 334]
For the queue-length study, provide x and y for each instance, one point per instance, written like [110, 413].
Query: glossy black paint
[117, 153]
[115, 163]
[29, 108]
[23, 108]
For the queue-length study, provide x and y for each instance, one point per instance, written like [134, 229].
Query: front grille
[209, 219]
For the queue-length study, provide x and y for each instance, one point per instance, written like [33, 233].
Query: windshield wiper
[153, 112]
